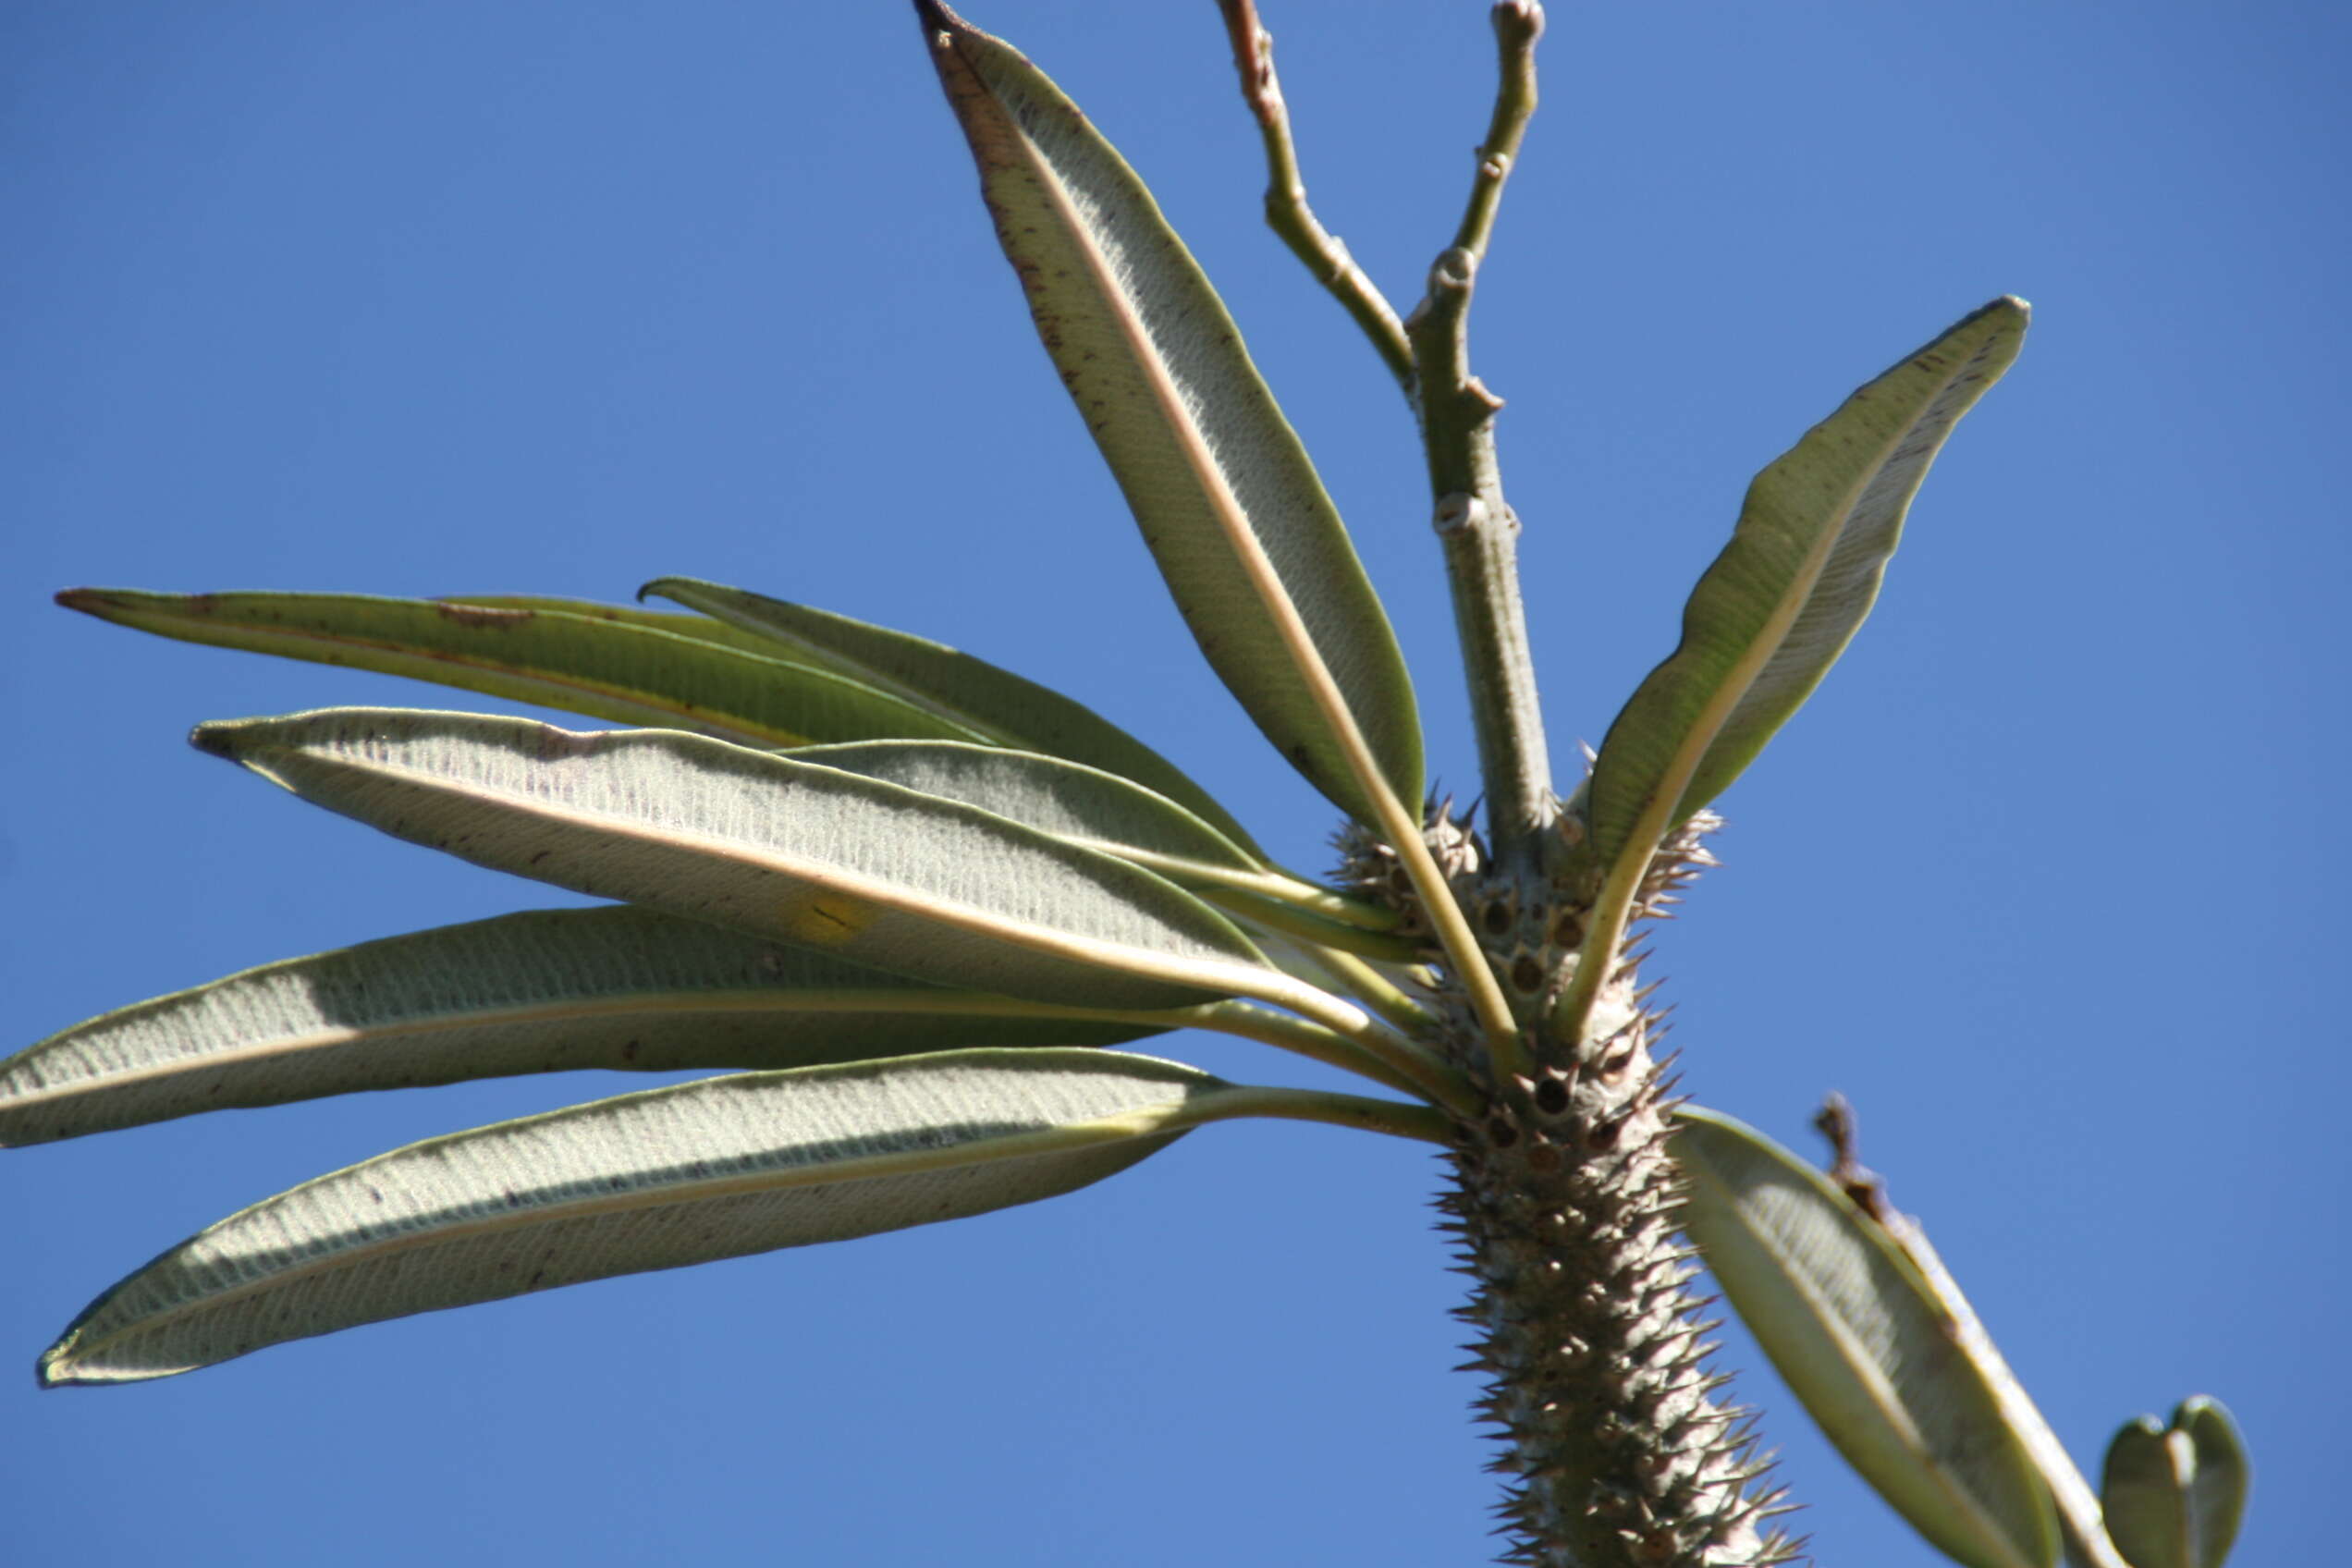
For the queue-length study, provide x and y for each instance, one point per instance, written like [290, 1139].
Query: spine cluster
[1620, 1452]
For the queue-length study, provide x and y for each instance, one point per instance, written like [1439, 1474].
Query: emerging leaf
[549, 991]
[1248, 541]
[1778, 607]
[774, 847]
[668, 1177]
[1864, 1342]
[2173, 1496]
[560, 653]
[991, 703]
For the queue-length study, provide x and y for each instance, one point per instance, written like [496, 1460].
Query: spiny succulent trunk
[1566, 1204]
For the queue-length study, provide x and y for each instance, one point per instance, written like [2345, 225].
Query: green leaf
[576, 656]
[1101, 810]
[777, 849]
[994, 704]
[2172, 1497]
[700, 628]
[549, 991]
[1247, 539]
[2217, 1491]
[1778, 607]
[657, 1180]
[1862, 1340]
[1079, 804]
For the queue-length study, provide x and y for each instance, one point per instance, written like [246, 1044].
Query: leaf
[2172, 1497]
[555, 653]
[1777, 607]
[774, 847]
[1248, 541]
[2217, 1491]
[685, 1174]
[1862, 1340]
[1076, 803]
[700, 628]
[994, 704]
[549, 991]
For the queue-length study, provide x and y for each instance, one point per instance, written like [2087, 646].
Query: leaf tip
[54, 1369]
[2010, 311]
[940, 23]
[215, 738]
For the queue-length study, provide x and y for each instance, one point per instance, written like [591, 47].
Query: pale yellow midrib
[1224, 977]
[1396, 823]
[1070, 1137]
[908, 1000]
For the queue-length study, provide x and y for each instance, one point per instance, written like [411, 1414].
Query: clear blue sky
[557, 297]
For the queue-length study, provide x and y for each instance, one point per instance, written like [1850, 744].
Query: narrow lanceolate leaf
[1080, 804]
[994, 704]
[1777, 607]
[686, 1174]
[548, 991]
[700, 628]
[1249, 542]
[2173, 1496]
[1862, 1341]
[558, 653]
[774, 847]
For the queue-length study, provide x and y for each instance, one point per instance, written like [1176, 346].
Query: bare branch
[1517, 24]
[1287, 211]
[1477, 526]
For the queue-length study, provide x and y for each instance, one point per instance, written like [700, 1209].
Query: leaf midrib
[908, 1000]
[1222, 976]
[1067, 1137]
[1231, 518]
[1886, 1399]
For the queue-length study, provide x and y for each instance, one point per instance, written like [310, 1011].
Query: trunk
[1565, 1202]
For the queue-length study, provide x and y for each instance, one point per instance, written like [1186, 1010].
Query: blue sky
[556, 298]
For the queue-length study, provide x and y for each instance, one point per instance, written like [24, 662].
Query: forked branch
[1429, 354]
[1475, 525]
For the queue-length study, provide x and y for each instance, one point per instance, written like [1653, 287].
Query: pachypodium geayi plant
[916, 905]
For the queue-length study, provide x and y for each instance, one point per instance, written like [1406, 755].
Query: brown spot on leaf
[482, 615]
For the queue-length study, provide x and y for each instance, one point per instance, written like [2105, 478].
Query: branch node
[1458, 513]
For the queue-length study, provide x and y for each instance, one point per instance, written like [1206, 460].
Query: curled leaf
[1778, 607]
[1863, 1340]
[2173, 1496]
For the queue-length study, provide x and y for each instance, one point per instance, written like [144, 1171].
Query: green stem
[1311, 1041]
[1377, 1049]
[1295, 922]
[1369, 986]
[1419, 1121]
[1313, 896]
[1475, 525]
